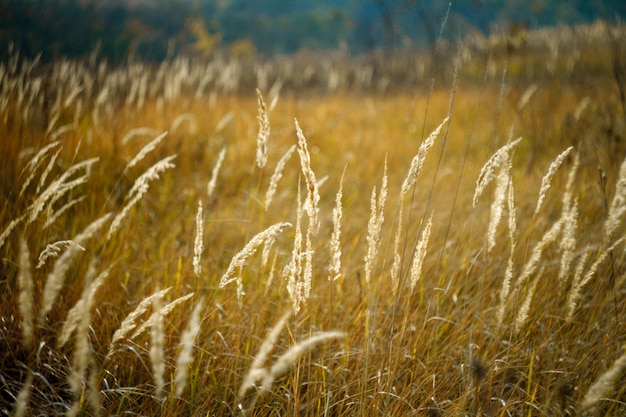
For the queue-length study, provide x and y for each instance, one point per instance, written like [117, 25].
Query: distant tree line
[158, 29]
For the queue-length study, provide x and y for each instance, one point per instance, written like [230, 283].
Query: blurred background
[154, 30]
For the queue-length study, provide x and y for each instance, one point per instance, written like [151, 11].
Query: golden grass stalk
[210, 188]
[83, 306]
[80, 318]
[289, 358]
[239, 260]
[25, 281]
[487, 173]
[418, 160]
[140, 187]
[264, 131]
[526, 96]
[58, 187]
[261, 378]
[547, 179]
[533, 263]
[52, 217]
[420, 253]
[157, 348]
[257, 371]
[130, 322]
[508, 275]
[579, 282]
[55, 279]
[603, 385]
[276, 176]
[54, 249]
[185, 117]
[617, 208]
[397, 255]
[334, 269]
[34, 163]
[23, 397]
[313, 196]
[198, 246]
[568, 242]
[149, 147]
[185, 356]
[503, 181]
[375, 225]
[522, 314]
[293, 270]
[45, 173]
[7, 231]
[138, 131]
[158, 315]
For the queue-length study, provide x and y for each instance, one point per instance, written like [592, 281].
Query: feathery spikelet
[617, 208]
[568, 242]
[45, 173]
[578, 283]
[313, 196]
[185, 117]
[52, 217]
[522, 314]
[53, 250]
[420, 253]
[533, 263]
[82, 306]
[149, 147]
[198, 246]
[603, 385]
[140, 187]
[158, 315]
[25, 281]
[138, 131]
[185, 357]
[23, 397]
[55, 279]
[276, 176]
[81, 319]
[59, 187]
[210, 188]
[397, 255]
[264, 132]
[293, 270]
[129, 322]
[257, 371]
[375, 225]
[242, 256]
[34, 163]
[261, 377]
[7, 231]
[508, 275]
[547, 179]
[487, 172]
[418, 160]
[157, 348]
[334, 269]
[289, 358]
[503, 180]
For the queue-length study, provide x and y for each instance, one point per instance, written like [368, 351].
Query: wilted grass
[435, 305]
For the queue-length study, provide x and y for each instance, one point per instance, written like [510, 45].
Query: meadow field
[425, 235]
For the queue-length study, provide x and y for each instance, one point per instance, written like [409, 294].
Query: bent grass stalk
[55, 279]
[276, 176]
[239, 260]
[140, 187]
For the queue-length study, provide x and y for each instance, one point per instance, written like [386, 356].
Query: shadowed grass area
[458, 343]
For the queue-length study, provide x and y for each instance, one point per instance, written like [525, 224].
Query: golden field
[132, 287]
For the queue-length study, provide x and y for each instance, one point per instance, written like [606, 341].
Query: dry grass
[435, 305]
